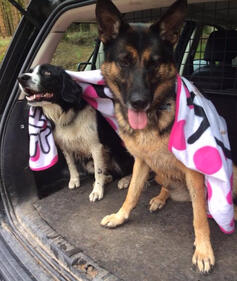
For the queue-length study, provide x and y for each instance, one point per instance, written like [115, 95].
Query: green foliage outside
[79, 41]
[4, 43]
[76, 47]
[207, 30]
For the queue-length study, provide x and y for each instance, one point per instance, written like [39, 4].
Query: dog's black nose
[139, 103]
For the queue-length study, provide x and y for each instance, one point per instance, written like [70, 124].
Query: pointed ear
[171, 22]
[71, 91]
[109, 20]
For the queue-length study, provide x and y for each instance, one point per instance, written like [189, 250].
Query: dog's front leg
[100, 173]
[74, 181]
[159, 201]
[139, 176]
[203, 257]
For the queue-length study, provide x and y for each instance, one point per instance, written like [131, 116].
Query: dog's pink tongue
[137, 119]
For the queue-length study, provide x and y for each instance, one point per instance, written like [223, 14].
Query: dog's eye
[47, 73]
[155, 60]
[125, 61]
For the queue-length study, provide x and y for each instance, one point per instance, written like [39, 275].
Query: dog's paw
[74, 183]
[96, 195]
[124, 182]
[156, 203]
[203, 258]
[90, 167]
[112, 220]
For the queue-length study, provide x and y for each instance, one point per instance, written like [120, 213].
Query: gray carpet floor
[149, 247]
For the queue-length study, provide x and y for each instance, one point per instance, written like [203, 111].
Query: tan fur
[159, 201]
[76, 134]
[113, 71]
[124, 182]
[146, 56]
[80, 135]
[166, 71]
[149, 145]
[133, 52]
[151, 152]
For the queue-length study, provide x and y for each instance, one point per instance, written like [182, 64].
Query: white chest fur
[74, 131]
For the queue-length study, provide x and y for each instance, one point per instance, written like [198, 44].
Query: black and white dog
[80, 131]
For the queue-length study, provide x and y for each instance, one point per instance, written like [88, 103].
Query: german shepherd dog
[80, 131]
[140, 70]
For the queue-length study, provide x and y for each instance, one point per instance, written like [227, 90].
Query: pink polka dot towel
[199, 140]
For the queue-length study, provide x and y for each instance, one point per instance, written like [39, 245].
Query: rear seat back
[218, 74]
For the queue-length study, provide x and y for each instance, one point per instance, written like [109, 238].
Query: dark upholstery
[221, 48]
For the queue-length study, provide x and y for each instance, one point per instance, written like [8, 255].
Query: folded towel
[43, 151]
[198, 139]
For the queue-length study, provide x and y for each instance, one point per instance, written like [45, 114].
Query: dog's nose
[139, 103]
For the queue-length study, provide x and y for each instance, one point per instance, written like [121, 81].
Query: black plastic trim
[48, 259]
[11, 267]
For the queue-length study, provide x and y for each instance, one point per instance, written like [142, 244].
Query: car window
[76, 46]
[213, 66]
[209, 59]
[199, 59]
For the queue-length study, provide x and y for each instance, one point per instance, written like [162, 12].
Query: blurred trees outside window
[10, 17]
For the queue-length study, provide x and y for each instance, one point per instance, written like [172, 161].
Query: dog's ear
[171, 22]
[71, 92]
[109, 20]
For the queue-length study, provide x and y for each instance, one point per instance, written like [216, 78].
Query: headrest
[221, 46]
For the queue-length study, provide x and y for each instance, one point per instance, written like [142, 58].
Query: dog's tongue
[137, 119]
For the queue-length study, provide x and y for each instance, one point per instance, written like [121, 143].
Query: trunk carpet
[149, 247]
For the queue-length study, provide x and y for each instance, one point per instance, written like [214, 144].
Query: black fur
[68, 94]
[143, 58]
[110, 139]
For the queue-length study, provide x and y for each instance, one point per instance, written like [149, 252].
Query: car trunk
[62, 227]
[65, 227]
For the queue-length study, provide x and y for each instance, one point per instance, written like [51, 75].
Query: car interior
[62, 224]
[221, 49]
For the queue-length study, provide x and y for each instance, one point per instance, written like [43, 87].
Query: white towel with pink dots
[200, 141]
[96, 93]
[42, 148]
